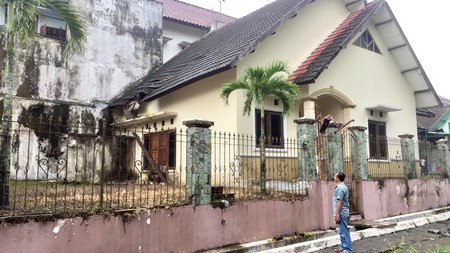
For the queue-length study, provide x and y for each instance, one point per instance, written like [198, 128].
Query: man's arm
[338, 210]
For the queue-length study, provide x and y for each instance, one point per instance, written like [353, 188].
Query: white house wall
[178, 33]
[293, 42]
[369, 79]
[200, 100]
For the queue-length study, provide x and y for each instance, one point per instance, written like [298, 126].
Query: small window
[51, 25]
[366, 41]
[378, 144]
[273, 128]
[2, 15]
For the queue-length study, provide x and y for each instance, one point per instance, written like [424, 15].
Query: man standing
[341, 212]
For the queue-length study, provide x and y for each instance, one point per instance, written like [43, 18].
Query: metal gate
[349, 157]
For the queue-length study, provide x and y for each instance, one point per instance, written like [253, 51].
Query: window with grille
[51, 25]
[378, 145]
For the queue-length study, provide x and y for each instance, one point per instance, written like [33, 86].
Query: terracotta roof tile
[188, 13]
[322, 56]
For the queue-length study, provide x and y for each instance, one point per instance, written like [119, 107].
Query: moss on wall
[48, 123]
[30, 85]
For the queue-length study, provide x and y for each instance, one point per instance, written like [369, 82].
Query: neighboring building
[185, 23]
[351, 60]
[433, 123]
[124, 43]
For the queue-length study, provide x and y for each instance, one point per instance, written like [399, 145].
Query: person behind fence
[341, 212]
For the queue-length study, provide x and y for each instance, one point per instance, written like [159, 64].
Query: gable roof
[393, 36]
[220, 50]
[225, 47]
[187, 13]
[316, 63]
[438, 112]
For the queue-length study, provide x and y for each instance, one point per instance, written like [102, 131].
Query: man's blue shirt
[341, 193]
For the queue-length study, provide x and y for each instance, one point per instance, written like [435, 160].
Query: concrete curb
[404, 222]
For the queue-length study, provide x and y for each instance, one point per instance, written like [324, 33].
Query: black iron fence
[236, 167]
[66, 166]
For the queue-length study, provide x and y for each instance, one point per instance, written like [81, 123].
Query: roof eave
[160, 92]
[419, 65]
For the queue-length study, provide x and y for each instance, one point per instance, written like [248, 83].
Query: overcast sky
[425, 24]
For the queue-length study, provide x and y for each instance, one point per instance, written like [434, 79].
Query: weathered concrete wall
[385, 198]
[123, 44]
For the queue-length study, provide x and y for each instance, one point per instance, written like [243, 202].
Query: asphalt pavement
[420, 239]
[413, 233]
[419, 232]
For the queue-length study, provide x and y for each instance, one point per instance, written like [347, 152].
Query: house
[350, 58]
[434, 123]
[184, 23]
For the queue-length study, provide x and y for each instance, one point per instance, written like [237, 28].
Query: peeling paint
[397, 189]
[59, 226]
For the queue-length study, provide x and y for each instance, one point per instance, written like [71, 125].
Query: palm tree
[21, 27]
[258, 83]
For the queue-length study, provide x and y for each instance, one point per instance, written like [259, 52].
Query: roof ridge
[199, 7]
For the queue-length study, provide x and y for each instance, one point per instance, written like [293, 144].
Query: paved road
[417, 240]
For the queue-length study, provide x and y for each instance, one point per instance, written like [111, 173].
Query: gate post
[358, 152]
[198, 161]
[333, 150]
[306, 148]
[444, 156]
[408, 156]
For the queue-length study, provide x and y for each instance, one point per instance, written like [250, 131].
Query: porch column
[408, 156]
[348, 112]
[444, 156]
[306, 136]
[309, 108]
[198, 161]
[358, 152]
[333, 151]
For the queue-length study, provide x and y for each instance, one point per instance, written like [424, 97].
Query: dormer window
[51, 25]
[366, 41]
[184, 44]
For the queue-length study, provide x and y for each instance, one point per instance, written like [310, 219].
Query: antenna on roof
[220, 5]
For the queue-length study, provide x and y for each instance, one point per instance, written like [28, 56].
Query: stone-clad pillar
[306, 136]
[333, 151]
[198, 161]
[408, 156]
[358, 152]
[444, 156]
